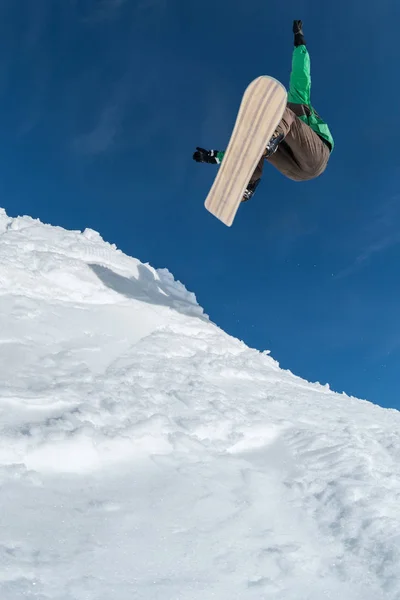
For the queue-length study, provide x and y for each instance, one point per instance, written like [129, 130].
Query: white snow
[147, 455]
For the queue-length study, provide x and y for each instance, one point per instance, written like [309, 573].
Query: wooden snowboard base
[260, 112]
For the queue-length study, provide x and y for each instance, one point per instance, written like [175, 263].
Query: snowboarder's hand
[298, 33]
[298, 27]
[206, 156]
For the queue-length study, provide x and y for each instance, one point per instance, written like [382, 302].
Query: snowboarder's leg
[302, 155]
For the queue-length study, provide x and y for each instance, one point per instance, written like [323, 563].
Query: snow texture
[147, 455]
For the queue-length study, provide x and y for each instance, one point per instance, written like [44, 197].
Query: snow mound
[145, 454]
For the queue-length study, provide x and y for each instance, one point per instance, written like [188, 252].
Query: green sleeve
[300, 77]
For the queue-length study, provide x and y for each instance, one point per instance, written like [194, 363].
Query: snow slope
[147, 455]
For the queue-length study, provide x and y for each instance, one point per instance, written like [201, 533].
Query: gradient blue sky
[102, 104]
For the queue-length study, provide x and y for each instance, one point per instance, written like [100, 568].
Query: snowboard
[260, 112]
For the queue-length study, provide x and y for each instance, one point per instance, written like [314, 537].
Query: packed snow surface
[147, 455]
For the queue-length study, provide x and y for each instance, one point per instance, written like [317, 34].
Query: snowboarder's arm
[300, 77]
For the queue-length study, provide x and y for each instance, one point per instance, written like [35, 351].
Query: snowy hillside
[147, 455]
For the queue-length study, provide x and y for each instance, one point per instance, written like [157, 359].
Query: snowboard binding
[249, 191]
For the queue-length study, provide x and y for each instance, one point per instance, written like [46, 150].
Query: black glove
[206, 156]
[298, 33]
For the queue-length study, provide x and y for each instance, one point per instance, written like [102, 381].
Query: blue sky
[102, 105]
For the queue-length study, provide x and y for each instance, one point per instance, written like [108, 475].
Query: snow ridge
[146, 454]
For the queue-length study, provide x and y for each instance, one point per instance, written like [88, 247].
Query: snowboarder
[302, 143]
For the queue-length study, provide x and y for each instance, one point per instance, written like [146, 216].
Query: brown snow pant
[302, 155]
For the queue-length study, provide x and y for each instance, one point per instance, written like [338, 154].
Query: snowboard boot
[249, 191]
[273, 144]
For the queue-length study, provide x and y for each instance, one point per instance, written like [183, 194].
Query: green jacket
[300, 93]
